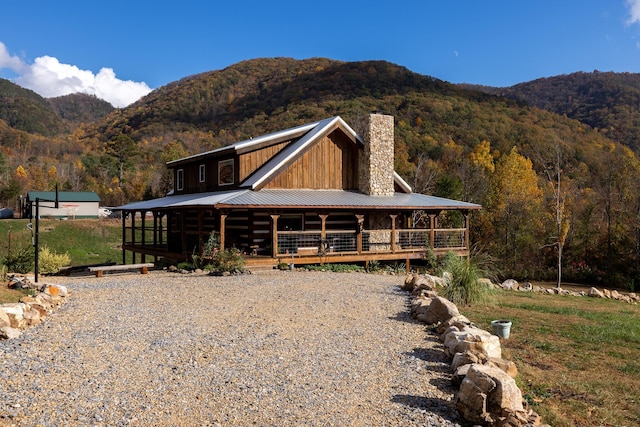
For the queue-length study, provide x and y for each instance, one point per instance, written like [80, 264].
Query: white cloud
[11, 62]
[634, 11]
[49, 78]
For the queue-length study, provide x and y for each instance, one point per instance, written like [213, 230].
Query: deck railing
[302, 243]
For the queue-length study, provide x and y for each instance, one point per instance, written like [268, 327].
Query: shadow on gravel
[428, 404]
[432, 355]
[403, 316]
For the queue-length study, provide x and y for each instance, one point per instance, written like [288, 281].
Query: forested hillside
[545, 180]
[608, 102]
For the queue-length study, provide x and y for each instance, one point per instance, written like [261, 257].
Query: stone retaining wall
[32, 309]
[487, 394]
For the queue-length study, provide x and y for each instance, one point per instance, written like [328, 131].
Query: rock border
[513, 285]
[487, 392]
[31, 310]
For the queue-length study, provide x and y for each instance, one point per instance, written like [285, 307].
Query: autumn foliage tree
[514, 204]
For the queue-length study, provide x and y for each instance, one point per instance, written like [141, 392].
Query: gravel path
[268, 349]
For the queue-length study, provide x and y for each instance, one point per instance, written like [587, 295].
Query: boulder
[32, 317]
[489, 396]
[421, 283]
[440, 310]
[634, 297]
[466, 358]
[607, 293]
[408, 283]
[426, 293]
[4, 318]
[419, 307]
[459, 322]
[510, 285]
[472, 339]
[16, 311]
[615, 294]
[459, 374]
[527, 287]
[506, 365]
[9, 333]
[52, 290]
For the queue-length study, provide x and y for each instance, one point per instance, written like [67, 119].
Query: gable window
[225, 172]
[202, 174]
[180, 179]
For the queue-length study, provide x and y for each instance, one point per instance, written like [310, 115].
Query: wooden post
[143, 239]
[393, 233]
[466, 230]
[323, 229]
[360, 227]
[155, 228]
[133, 235]
[223, 219]
[274, 235]
[124, 236]
[432, 234]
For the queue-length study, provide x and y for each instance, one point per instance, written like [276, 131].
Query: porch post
[466, 229]
[133, 235]
[274, 235]
[155, 228]
[360, 219]
[393, 233]
[143, 215]
[124, 236]
[223, 219]
[323, 229]
[432, 231]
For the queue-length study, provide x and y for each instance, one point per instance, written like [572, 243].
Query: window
[180, 179]
[225, 172]
[202, 173]
[291, 222]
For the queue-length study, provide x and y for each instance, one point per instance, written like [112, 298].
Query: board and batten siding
[251, 161]
[332, 163]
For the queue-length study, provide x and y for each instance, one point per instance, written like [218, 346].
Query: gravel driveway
[268, 349]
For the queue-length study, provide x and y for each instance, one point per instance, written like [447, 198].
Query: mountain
[81, 108]
[25, 110]
[608, 102]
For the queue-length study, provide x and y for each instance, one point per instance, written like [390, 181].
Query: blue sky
[120, 50]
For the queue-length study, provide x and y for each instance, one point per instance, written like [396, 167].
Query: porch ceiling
[274, 198]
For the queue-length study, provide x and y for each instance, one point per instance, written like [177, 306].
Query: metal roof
[337, 199]
[194, 199]
[65, 196]
[246, 145]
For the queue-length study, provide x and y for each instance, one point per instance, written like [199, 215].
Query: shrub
[184, 266]
[20, 261]
[463, 287]
[212, 258]
[50, 262]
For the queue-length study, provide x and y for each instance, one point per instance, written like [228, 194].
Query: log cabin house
[316, 193]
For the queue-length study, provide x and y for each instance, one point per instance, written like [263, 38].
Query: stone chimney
[376, 163]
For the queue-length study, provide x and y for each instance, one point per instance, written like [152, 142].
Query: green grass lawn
[578, 357]
[87, 241]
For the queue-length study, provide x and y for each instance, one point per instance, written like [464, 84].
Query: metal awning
[274, 198]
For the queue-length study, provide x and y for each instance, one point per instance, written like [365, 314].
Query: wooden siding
[192, 182]
[332, 163]
[251, 161]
